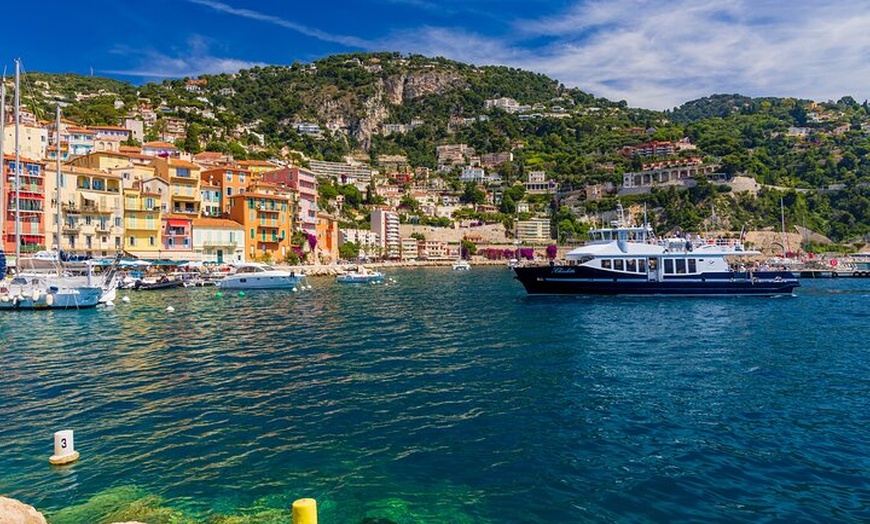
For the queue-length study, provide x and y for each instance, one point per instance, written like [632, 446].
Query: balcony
[220, 243]
[181, 195]
[72, 228]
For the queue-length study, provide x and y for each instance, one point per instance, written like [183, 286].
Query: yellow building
[92, 211]
[32, 141]
[267, 220]
[102, 160]
[128, 166]
[257, 167]
[184, 185]
[142, 221]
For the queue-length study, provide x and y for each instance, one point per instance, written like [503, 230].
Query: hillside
[370, 105]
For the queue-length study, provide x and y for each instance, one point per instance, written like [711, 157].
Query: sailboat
[26, 290]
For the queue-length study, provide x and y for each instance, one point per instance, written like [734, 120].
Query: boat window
[652, 264]
[617, 264]
[631, 265]
[693, 268]
[605, 264]
[641, 265]
[681, 265]
[669, 266]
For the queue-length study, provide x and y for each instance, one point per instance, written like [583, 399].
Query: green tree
[348, 251]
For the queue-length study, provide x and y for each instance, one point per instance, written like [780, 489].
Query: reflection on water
[442, 397]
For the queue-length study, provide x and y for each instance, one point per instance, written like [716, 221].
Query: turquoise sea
[443, 397]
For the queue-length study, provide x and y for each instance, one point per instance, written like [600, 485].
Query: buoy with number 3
[64, 448]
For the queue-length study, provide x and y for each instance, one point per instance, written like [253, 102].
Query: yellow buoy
[305, 511]
[64, 448]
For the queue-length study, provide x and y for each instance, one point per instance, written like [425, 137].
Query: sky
[651, 54]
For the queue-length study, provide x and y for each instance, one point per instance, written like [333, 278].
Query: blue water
[448, 397]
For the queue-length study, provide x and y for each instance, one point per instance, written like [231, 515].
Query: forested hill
[372, 105]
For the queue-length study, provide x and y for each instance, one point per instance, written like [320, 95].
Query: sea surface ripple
[450, 397]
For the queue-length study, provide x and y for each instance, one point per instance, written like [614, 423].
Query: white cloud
[192, 61]
[350, 41]
[658, 55]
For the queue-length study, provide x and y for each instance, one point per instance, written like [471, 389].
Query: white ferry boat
[623, 260]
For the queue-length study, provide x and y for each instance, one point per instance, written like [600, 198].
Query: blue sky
[654, 55]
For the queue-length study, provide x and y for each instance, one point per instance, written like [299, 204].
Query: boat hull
[577, 280]
[81, 298]
[359, 279]
[253, 282]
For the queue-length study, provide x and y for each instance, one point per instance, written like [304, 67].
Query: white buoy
[64, 448]
[35, 295]
[295, 290]
[308, 287]
[170, 308]
[125, 299]
[49, 299]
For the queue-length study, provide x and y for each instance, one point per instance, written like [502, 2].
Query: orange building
[327, 237]
[267, 220]
[231, 181]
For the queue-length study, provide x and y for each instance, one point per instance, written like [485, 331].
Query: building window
[229, 191]
[151, 241]
[132, 241]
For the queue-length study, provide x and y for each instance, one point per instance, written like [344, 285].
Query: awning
[177, 222]
[94, 197]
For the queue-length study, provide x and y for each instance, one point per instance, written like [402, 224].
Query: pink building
[304, 184]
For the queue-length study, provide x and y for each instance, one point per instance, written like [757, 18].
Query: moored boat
[360, 275]
[461, 265]
[34, 292]
[254, 275]
[623, 260]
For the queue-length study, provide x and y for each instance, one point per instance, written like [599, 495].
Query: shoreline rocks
[16, 512]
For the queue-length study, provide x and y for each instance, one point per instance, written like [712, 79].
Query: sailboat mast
[58, 178]
[2, 163]
[782, 218]
[17, 168]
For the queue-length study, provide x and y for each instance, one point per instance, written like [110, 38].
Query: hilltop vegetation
[811, 155]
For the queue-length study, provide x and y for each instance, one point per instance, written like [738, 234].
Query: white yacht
[253, 275]
[461, 265]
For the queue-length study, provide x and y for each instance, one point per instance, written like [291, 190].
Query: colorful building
[177, 237]
[303, 183]
[267, 220]
[143, 227]
[327, 238]
[24, 209]
[218, 240]
[184, 181]
[231, 181]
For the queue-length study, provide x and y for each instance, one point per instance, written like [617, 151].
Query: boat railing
[698, 243]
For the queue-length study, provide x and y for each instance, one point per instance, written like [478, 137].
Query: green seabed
[131, 503]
